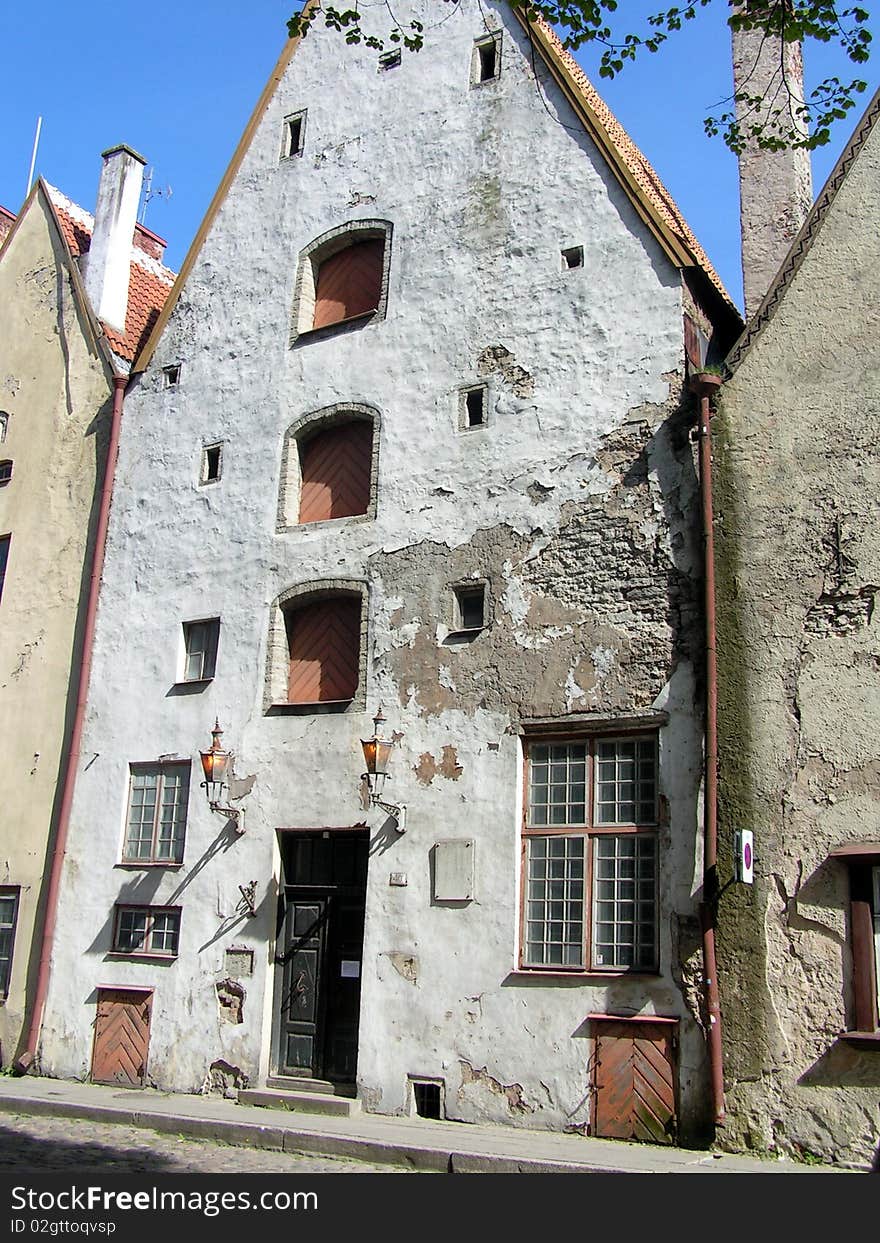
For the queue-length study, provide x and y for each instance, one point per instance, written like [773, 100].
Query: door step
[322, 1101]
[301, 1083]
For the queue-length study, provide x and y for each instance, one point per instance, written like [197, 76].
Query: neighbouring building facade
[798, 546]
[58, 359]
[412, 433]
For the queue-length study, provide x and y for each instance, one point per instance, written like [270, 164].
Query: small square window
[470, 607]
[487, 59]
[390, 60]
[212, 463]
[150, 931]
[573, 257]
[473, 410]
[294, 135]
[171, 376]
[5, 472]
[200, 649]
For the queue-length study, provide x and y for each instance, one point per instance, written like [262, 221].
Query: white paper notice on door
[350, 970]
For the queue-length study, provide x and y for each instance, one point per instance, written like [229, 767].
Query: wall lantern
[217, 766]
[377, 751]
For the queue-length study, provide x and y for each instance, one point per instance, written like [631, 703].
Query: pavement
[412, 1143]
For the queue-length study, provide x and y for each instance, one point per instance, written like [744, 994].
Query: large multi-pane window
[156, 823]
[8, 912]
[149, 930]
[590, 854]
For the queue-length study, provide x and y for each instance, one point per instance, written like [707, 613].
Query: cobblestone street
[38, 1145]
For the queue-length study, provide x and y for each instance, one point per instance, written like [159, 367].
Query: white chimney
[106, 265]
[775, 187]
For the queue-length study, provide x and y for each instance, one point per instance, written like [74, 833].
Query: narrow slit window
[487, 59]
[473, 408]
[390, 60]
[212, 463]
[294, 135]
[573, 257]
[4, 425]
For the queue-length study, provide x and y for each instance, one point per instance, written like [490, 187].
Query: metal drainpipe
[25, 1060]
[704, 386]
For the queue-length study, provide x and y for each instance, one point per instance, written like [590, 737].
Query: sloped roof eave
[803, 243]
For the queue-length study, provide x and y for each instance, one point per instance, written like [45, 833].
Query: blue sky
[178, 81]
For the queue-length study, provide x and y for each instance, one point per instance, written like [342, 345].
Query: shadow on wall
[843, 1066]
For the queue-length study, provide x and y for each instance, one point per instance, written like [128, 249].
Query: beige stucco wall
[55, 388]
[797, 442]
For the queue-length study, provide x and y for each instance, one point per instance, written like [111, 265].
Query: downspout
[25, 1060]
[705, 385]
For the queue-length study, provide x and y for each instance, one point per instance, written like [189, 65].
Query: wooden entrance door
[122, 1037]
[318, 954]
[634, 1082]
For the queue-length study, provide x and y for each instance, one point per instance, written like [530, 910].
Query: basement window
[212, 463]
[294, 135]
[573, 257]
[486, 64]
[427, 1098]
[390, 60]
[171, 376]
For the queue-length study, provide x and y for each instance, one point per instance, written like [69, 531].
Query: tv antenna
[162, 192]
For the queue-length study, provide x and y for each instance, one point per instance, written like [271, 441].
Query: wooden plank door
[301, 958]
[634, 1082]
[324, 639]
[122, 1037]
[335, 466]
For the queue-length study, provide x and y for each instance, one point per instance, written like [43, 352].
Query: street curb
[439, 1160]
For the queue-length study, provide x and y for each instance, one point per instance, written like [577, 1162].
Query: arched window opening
[343, 277]
[323, 641]
[335, 471]
[349, 283]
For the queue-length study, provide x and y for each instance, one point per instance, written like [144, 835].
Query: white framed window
[158, 796]
[8, 916]
[150, 931]
[200, 640]
[590, 863]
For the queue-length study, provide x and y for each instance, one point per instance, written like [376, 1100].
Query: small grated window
[427, 1100]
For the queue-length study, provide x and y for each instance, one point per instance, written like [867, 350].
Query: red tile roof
[149, 283]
